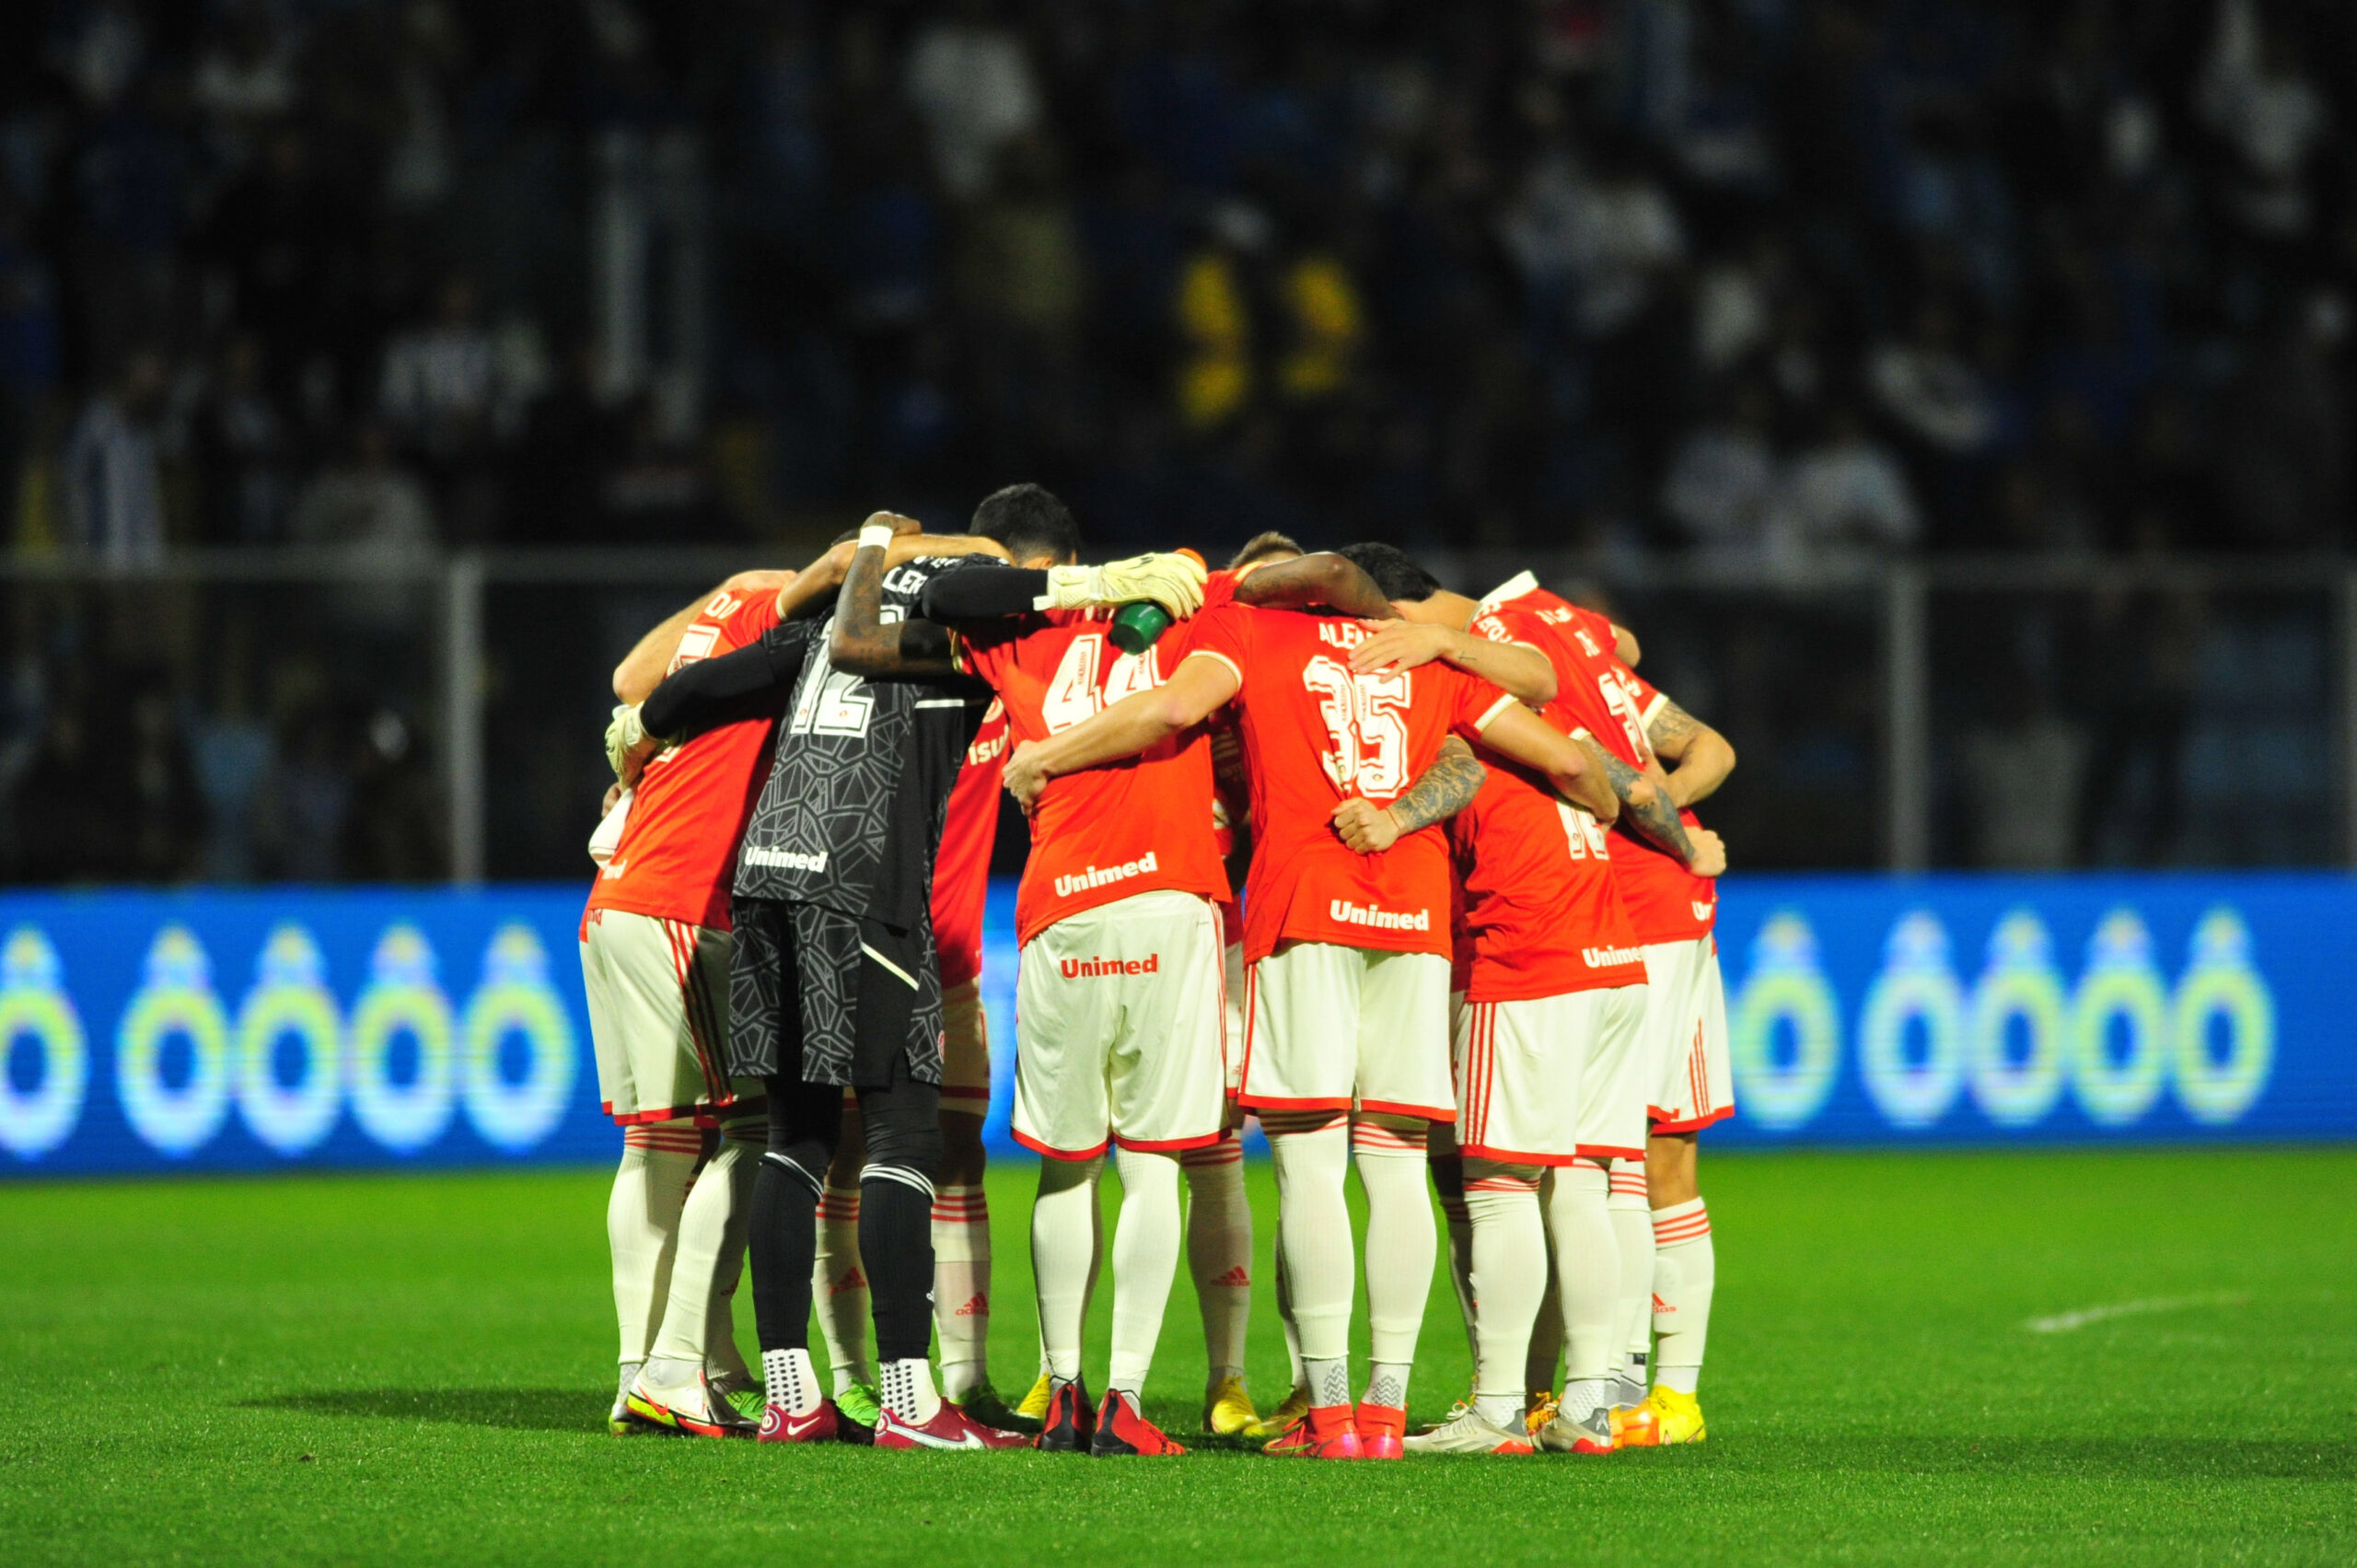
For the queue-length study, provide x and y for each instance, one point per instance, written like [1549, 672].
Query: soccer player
[655, 952]
[1120, 978]
[1549, 1053]
[1347, 952]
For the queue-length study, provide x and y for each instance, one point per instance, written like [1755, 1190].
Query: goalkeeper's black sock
[782, 1244]
[896, 1243]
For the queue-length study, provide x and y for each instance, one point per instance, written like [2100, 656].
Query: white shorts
[1343, 1028]
[659, 1018]
[965, 1050]
[1117, 1021]
[1546, 1080]
[1691, 1081]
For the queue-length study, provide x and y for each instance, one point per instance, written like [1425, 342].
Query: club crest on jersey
[1088, 969]
[1349, 913]
[1090, 876]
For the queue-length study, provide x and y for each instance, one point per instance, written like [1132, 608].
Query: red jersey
[1316, 734]
[1665, 902]
[961, 867]
[1541, 912]
[1139, 825]
[678, 853]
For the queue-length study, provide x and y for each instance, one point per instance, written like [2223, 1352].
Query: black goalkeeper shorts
[831, 997]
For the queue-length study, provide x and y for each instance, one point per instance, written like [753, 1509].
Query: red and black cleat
[1071, 1423]
[821, 1425]
[1122, 1428]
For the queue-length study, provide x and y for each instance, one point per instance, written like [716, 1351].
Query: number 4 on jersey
[1074, 694]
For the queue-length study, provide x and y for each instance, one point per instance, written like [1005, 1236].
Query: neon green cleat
[1227, 1409]
[1034, 1408]
[1680, 1415]
[1279, 1422]
[860, 1404]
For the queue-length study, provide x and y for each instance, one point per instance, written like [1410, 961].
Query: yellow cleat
[1035, 1403]
[1229, 1409]
[1542, 1408]
[1680, 1416]
[1279, 1422]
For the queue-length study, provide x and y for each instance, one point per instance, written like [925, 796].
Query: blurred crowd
[1773, 281]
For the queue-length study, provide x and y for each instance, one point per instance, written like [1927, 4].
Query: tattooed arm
[1698, 757]
[863, 642]
[1441, 791]
[1646, 809]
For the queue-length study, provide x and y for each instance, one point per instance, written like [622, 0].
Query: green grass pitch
[415, 1367]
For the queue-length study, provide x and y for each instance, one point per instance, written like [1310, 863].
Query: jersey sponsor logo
[786, 859]
[982, 752]
[1703, 911]
[1349, 913]
[1606, 957]
[1090, 876]
[1090, 969]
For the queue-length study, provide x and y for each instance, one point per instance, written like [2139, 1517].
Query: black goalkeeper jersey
[851, 815]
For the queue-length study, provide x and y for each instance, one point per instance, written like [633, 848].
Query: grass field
[417, 1367]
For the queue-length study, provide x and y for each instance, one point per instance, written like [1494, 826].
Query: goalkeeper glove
[1174, 581]
[624, 734]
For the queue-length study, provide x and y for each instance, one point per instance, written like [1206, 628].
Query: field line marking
[2063, 1322]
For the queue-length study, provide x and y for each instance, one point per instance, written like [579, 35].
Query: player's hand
[613, 794]
[1024, 778]
[894, 521]
[1367, 828]
[628, 746]
[1399, 644]
[1174, 582]
[1709, 853]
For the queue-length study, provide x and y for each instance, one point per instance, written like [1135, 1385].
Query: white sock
[1295, 1368]
[839, 1288]
[908, 1392]
[1328, 1382]
[1633, 1226]
[961, 1287]
[1401, 1243]
[1457, 1222]
[1509, 1278]
[710, 1249]
[1587, 1272]
[1088, 1292]
[789, 1381]
[1544, 1358]
[1145, 1259]
[1219, 1252]
[1314, 1228]
[1063, 1257]
[1685, 1271]
[1584, 1396]
[643, 1226]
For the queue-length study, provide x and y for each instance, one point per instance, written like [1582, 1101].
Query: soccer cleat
[949, 1428]
[743, 1391]
[1459, 1407]
[1636, 1426]
[1324, 1431]
[696, 1409]
[858, 1409]
[1033, 1405]
[1122, 1428]
[981, 1404]
[1591, 1433]
[1542, 1410]
[821, 1425]
[1681, 1415]
[621, 1420]
[1227, 1409]
[1468, 1433]
[1280, 1421]
[1071, 1423]
[1381, 1429]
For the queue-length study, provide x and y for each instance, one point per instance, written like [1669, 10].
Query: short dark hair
[1261, 546]
[1029, 520]
[1394, 571]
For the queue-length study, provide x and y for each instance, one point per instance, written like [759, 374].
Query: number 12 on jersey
[1366, 726]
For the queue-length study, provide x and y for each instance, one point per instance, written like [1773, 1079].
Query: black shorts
[832, 997]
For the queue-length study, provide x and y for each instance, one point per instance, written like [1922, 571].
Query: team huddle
[1410, 877]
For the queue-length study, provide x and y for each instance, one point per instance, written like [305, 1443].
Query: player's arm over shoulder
[1699, 757]
[1323, 578]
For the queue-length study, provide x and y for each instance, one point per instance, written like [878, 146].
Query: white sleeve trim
[1213, 653]
[1653, 707]
[1490, 714]
[1521, 582]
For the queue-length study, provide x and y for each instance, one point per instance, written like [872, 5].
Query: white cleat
[695, 1407]
[1468, 1433]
